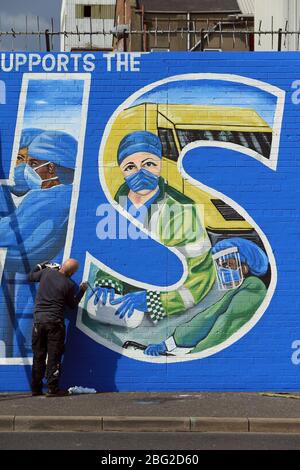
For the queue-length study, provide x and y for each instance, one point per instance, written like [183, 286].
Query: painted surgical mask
[26, 178]
[143, 179]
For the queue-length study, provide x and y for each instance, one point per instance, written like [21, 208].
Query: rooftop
[209, 6]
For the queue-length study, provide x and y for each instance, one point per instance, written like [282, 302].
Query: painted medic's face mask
[26, 178]
[228, 268]
[141, 180]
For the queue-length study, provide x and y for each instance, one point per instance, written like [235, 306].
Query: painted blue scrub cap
[250, 254]
[139, 141]
[28, 135]
[55, 146]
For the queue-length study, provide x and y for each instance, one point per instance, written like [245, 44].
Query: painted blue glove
[130, 302]
[156, 349]
[102, 293]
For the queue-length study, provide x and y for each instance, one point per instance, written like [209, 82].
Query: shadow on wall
[86, 362]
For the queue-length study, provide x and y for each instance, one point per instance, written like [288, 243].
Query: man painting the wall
[56, 292]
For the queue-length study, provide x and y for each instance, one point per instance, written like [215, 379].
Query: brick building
[155, 19]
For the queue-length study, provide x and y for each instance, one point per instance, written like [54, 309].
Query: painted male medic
[35, 227]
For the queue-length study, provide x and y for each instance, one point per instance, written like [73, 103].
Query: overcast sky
[13, 13]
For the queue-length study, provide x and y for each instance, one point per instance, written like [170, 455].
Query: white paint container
[106, 314]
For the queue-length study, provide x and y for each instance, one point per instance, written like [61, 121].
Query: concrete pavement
[151, 412]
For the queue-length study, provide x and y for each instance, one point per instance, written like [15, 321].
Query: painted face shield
[228, 268]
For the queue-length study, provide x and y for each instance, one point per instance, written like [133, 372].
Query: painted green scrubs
[221, 320]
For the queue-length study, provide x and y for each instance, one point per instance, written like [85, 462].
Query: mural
[35, 207]
[228, 278]
[174, 182]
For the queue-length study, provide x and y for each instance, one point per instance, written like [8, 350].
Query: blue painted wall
[233, 122]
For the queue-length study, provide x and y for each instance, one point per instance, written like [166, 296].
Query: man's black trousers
[47, 339]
